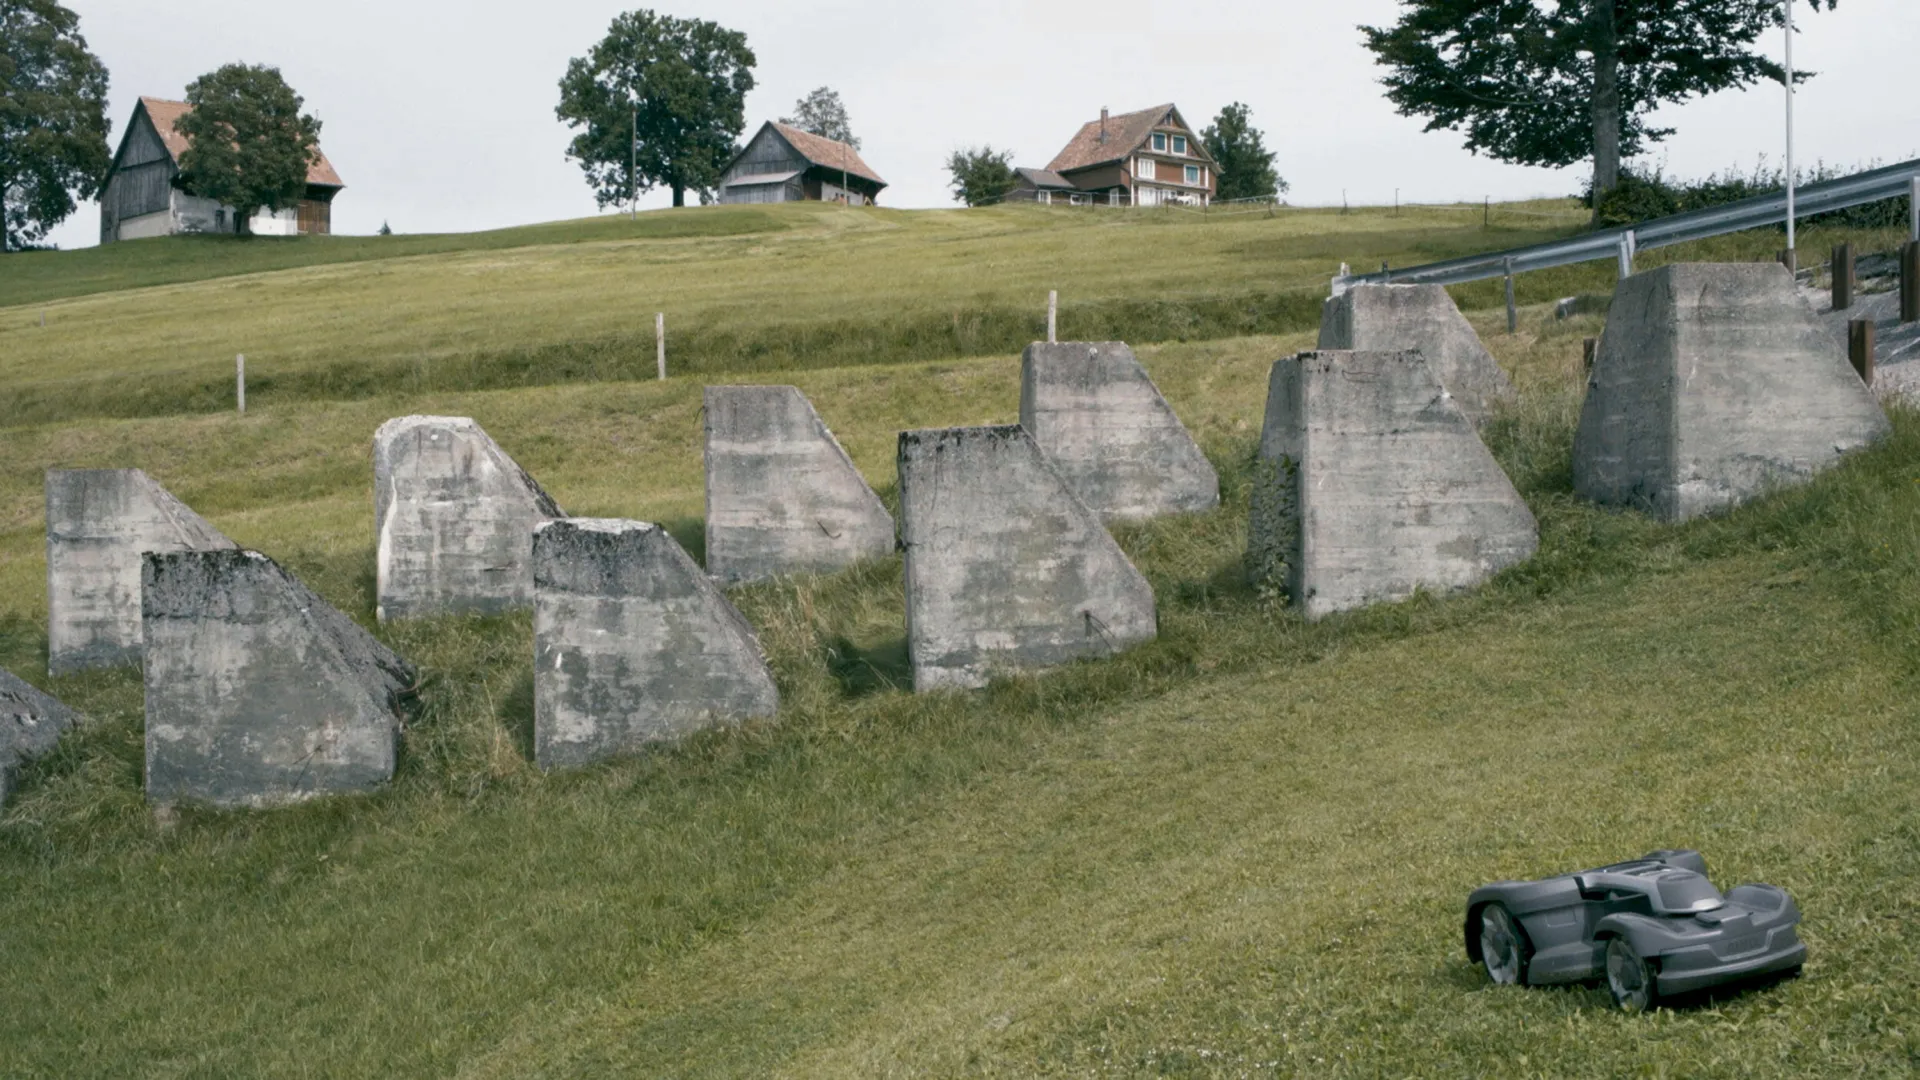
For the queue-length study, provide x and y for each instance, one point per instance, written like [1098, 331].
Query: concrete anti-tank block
[31, 722]
[1006, 569]
[1713, 384]
[1099, 417]
[455, 518]
[782, 496]
[258, 692]
[633, 644]
[1400, 318]
[1372, 483]
[99, 523]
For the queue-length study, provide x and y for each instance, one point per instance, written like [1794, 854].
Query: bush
[1643, 194]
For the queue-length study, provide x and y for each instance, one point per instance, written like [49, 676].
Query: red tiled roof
[827, 153]
[164, 113]
[1126, 133]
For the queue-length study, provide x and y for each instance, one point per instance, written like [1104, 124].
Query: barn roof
[1126, 133]
[826, 153]
[1042, 178]
[164, 113]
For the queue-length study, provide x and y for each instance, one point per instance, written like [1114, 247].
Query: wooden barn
[143, 195]
[785, 164]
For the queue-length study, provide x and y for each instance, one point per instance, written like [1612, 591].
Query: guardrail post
[1860, 348]
[1842, 276]
[1513, 314]
[1626, 254]
[1790, 259]
[1913, 210]
[1910, 282]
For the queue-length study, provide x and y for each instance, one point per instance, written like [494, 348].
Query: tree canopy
[249, 145]
[1555, 82]
[53, 120]
[822, 113]
[1238, 148]
[981, 176]
[658, 102]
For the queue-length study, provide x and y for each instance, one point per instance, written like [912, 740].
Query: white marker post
[1793, 260]
[660, 342]
[240, 382]
[1053, 312]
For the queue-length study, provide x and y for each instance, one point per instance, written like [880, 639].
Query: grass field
[1241, 850]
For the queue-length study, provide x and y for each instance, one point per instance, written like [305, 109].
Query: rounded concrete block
[455, 518]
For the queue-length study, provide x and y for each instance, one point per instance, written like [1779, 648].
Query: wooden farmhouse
[143, 195]
[784, 164]
[1145, 158]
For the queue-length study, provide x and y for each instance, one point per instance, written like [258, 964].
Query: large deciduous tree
[822, 113]
[1555, 82]
[1237, 147]
[980, 176]
[658, 102]
[53, 120]
[249, 145]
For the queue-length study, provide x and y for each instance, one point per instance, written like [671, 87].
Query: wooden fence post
[1053, 313]
[1588, 349]
[1860, 348]
[1842, 276]
[660, 342]
[240, 382]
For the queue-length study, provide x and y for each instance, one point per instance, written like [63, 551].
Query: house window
[1146, 169]
[1180, 145]
[1160, 141]
[1193, 175]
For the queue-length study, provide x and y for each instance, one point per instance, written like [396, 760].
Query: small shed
[784, 164]
[1043, 186]
[143, 195]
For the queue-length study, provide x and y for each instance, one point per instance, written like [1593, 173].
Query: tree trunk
[679, 195]
[1606, 103]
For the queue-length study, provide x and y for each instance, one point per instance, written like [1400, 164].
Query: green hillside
[1241, 850]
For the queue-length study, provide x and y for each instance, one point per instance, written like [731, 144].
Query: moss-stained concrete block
[1401, 318]
[1097, 415]
[1372, 483]
[258, 693]
[1006, 569]
[454, 516]
[1713, 384]
[782, 496]
[99, 523]
[633, 644]
[31, 722]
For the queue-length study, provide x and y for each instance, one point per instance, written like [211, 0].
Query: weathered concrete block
[1094, 411]
[258, 692]
[99, 523]
[1006, 569]
[455, 517]
[1714, 383]
[782, 496]
[1372, 483]
[1398, 318]
[31, 722]
[633, 644]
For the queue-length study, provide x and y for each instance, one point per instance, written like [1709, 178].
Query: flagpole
[1793, 259]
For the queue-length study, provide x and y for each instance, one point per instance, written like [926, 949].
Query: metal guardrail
[1856, 190]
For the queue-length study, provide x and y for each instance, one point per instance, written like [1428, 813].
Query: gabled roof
[164, 113]
[1041, 178]
[1126, 133]
[826, 153]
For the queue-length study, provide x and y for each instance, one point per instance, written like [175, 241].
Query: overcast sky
[439, 116]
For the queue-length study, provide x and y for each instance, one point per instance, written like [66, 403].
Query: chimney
[1103, 125]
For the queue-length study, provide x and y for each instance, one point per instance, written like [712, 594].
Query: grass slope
[1238, 851]
[745, 290]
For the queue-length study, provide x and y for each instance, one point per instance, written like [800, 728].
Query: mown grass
[1238, 851]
